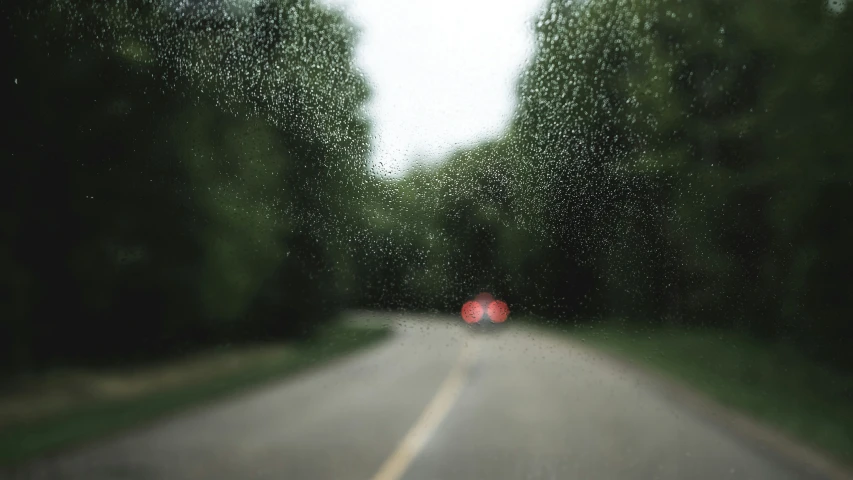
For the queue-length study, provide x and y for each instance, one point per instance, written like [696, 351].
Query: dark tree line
[177, 174]
[174, 178]
[670, 162]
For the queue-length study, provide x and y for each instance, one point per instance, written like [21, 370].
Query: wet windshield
[333, 239]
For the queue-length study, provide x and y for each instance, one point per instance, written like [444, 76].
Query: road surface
[436, 402]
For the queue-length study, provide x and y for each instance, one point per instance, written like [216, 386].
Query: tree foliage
[670, 161]
[193, 172]
[178, 176]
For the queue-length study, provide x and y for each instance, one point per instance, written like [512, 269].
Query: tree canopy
[184, 173]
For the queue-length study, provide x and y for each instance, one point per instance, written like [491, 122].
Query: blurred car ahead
[484, 313]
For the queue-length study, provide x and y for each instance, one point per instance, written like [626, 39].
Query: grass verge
[118, 399]
[771, 382]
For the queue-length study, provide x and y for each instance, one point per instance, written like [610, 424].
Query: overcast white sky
[442, 72]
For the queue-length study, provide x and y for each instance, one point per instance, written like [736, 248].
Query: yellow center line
[438, 408]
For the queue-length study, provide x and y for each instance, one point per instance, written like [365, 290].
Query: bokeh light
[498, 311]
[484, 299]
[472, 312]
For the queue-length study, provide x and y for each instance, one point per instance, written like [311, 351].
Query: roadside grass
[771, 382]
[65, 408]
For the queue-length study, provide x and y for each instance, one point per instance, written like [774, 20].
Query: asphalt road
[436, 402]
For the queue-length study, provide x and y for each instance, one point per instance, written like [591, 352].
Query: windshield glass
[333, 239]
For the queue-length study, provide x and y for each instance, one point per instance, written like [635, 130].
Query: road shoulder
[118, 400]
[766, 439]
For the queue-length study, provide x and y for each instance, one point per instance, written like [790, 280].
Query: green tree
[178, 177]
